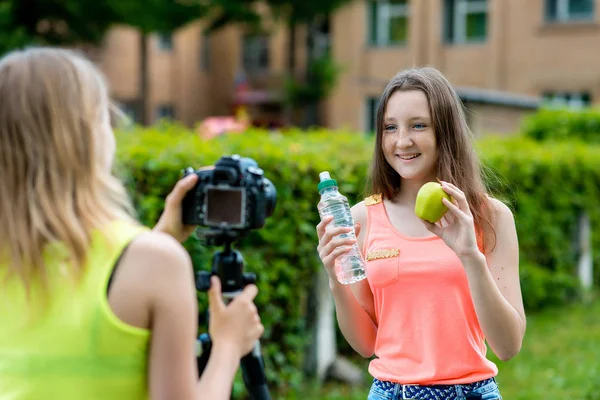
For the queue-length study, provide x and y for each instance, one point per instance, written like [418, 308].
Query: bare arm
[166, 272]
[351, 301]
[355, 323]
[234, 330]
[496, 290]
[493, 278]
[165, 277]
[172, 297]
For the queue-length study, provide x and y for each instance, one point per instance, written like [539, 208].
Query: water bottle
[350, 267]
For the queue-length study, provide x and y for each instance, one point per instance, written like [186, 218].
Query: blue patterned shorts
[482, 390]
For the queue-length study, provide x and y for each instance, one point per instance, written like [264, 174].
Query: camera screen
[225, 206]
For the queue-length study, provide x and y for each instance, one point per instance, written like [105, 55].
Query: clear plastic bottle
[350, 267]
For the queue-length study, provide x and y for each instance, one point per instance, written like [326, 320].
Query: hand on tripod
[234, 329]
[235, 325]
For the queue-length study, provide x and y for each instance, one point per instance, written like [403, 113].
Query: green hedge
[546, 185]
[549, 185]
[564, 124]
[283, 254]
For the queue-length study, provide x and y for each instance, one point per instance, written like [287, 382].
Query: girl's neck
[409, 189]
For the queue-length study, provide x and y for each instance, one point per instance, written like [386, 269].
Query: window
[205, 53]
[466, 21]
[371, 105]
[388, 22]
[255, 53]
[569, 10]
[165, 111]
[573, 100]
[322, 41]
[165, 41]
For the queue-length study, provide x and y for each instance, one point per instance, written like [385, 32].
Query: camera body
[233, 195]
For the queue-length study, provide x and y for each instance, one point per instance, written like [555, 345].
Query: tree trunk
[585, 267]
[291, 67]
[321, 321]
[311, 111]
[291, 61]
[143, 90]
[322, 360]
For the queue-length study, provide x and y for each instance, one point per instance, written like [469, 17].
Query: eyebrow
[417, 118]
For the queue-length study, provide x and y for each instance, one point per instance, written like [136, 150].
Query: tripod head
[227, 264]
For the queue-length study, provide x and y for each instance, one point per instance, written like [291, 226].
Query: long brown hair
[457, 162]
[55, 185]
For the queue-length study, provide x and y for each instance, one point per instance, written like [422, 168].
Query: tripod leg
[203, 352]
[253, 371]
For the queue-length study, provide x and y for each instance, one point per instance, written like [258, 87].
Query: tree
[53, 22]
[320, 71]
[11, 36]
[222, 13]
[150, 16]
[79, 22]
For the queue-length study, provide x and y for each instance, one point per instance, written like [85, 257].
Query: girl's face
[408, 138]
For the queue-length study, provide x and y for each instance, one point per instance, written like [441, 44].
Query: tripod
[228, 265]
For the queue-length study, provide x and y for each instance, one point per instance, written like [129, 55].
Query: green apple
[429, 205]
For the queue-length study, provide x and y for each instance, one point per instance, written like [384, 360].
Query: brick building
[503, 56]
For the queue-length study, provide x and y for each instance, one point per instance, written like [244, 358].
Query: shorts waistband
[431, 391]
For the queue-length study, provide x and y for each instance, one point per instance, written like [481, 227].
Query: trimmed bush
[564, 124]
[544, 288]
[549, 186]
[546, 185]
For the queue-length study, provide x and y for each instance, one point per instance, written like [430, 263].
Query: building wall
[522, 54]
[196, 81]
[492, 119]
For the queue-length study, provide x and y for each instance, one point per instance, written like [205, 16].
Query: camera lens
[270, 197]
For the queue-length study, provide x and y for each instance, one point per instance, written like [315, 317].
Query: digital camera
[233, 195]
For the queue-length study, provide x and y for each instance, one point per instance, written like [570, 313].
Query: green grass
[560, 359]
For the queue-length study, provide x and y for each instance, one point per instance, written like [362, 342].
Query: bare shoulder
[157, 255]
[154, 271]
[501, 212]
[158, 244]
[503, 230]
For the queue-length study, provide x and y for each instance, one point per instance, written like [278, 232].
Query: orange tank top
[428, 331]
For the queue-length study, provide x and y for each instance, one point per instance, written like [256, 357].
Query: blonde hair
[55, 184]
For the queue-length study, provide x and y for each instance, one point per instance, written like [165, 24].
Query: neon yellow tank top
[74, 347]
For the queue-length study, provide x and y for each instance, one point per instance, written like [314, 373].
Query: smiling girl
[435, 293]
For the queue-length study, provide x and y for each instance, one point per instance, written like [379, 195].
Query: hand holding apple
[456, 228]
[430, 206]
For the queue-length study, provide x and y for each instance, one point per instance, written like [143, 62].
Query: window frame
[371, 103]
[165, 41]
[381, 12]
[256, 52]
[159, 115]
[563, 14]
[457, 12]
[572, 100]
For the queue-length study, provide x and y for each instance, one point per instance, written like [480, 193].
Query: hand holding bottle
[332, 245]
[334, 207]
